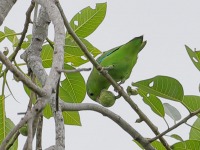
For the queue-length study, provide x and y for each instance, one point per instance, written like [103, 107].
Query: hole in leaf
[70, 63]
[195, 59]
[151, 84]
[79, 12]
[76, 23]
[83, 57]
[148, 95]
[93, 6]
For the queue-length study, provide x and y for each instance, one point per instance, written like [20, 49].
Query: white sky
[166, 25]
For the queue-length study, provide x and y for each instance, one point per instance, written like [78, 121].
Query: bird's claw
[108, 67]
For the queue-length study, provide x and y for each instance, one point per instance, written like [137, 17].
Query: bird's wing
[107, 53]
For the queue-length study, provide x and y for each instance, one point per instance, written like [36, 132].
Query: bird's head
[92, 92]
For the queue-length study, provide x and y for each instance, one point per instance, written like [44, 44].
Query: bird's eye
[91, 94]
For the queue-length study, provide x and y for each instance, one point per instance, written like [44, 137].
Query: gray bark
[5, 7]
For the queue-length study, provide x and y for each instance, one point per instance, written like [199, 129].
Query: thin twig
[23, 34]
[50, 43]
[166, 123]
[21, 76]
[193, 127]
[30, 135]
[116, 118]
[26, 24]
[74, 71]
[184, 120]
[109, 78]
[13, 140]
[11, 92]
[39, 133]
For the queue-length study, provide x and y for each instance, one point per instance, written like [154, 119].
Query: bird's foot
[108, 67]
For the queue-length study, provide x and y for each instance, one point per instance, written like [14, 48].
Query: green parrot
[121, 60]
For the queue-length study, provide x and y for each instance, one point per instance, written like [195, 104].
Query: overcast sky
[166, 25]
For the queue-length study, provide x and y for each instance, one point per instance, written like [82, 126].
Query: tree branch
[26, 24]
[39, 133]
[116, 118]
[27, 21]
[53, 77]
[57, 64]
[184, 120]
[74, 71]
[32, 55]
[21, 76]
[38, 107]
[6, 6]
[15, 137]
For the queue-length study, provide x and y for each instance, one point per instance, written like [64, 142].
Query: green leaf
[74, 54]
[6, 124]
[73, 87]
[186, 145]
[9, 126]
[136, 142]
[195, 130]
[158, 145]
[194, 56]
[172, 112]
[71, 118]
[2, 118]
[11, 35]
[29, 37]
[2, 36]
[27, 42]
[47, 112]
[87, 20]
[153, 102]
[47, 56]
[25, 45]
[192, 102]
[162, 86]
[177, 137]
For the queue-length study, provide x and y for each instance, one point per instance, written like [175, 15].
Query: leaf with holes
[74, 54]
[11, 35]
[194, 56]
[2, 36]
[71, 118]
[195, 130]
[47, 56]
[172, 112]
[73, 87]
[192, 102]
[87, 20]
[186, 145]
[162, 86]
[153, 102]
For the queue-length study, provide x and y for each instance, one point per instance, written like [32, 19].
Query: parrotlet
[120, 60]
